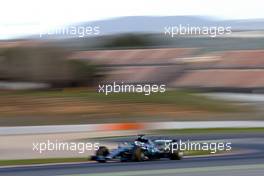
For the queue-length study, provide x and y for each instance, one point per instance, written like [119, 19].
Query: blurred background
[57, 75]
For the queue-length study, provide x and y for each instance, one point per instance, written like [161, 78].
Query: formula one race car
[140, 150]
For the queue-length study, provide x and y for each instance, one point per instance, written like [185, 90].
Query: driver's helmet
[142, 138]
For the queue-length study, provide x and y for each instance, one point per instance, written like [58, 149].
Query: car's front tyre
[101, 154]
[176, 155]
[138, 154]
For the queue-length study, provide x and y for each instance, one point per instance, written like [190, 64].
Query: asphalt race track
[249, 161]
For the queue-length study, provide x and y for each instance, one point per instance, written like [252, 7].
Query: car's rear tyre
[101, 153]
[176, 155]
[138, 154]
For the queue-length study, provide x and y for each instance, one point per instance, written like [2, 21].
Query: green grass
[200, 152]
[82, 106]
[40, 161]
[186, 99]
